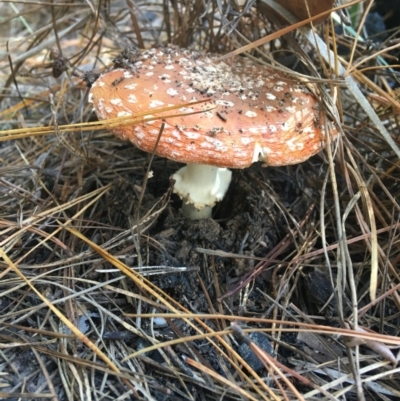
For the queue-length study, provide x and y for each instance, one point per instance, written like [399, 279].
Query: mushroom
[251, 113]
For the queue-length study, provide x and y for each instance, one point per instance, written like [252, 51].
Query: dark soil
[249, 221]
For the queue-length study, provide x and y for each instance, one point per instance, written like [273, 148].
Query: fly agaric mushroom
[258, 114]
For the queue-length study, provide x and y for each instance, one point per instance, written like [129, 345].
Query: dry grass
[80, 302]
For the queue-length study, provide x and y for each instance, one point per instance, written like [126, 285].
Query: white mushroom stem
[200, 187]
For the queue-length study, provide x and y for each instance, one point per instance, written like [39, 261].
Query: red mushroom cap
[259, 114]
